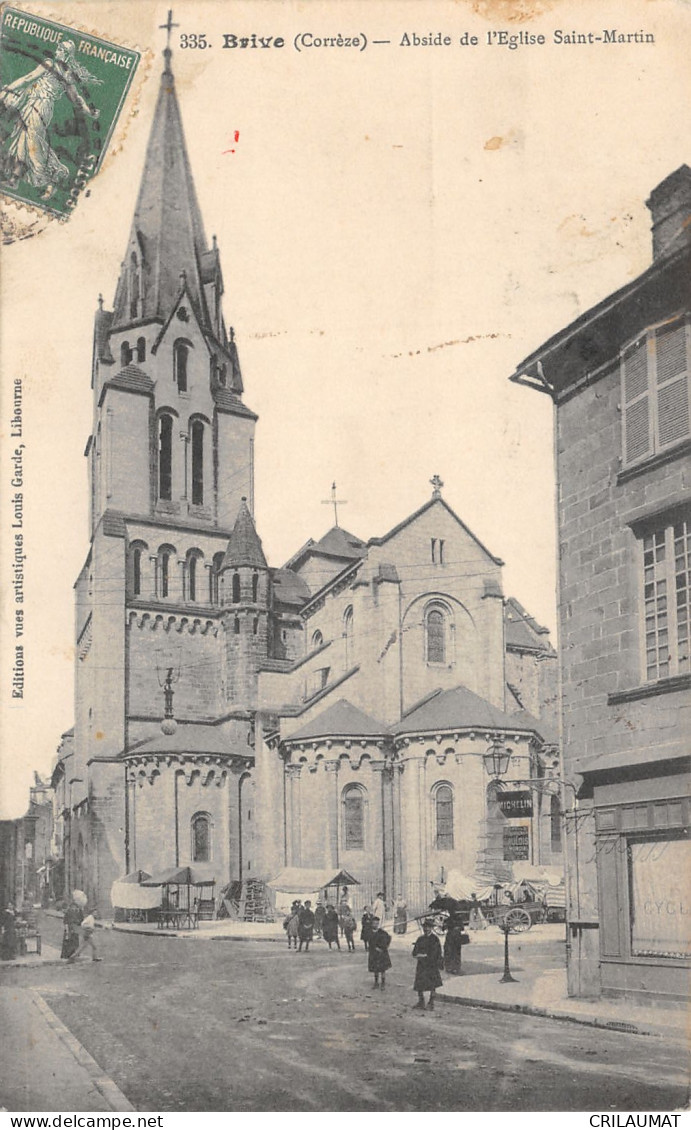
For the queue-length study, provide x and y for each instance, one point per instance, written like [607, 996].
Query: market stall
[307, 883]
[183, 892]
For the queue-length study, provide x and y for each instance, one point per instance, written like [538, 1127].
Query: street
[184, 1024]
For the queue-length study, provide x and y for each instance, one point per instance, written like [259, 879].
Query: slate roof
[227, 401]
[167, 228]
[244, 546]
[289, 587]
[521, 630]
[130, 379]
[341, 720]
[336, 542]
[461, 708]
[189, 737]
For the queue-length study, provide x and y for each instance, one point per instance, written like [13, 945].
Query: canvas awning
[463, 887]
[307, 880]
[536, 874]
[182, 876]
[129, 895]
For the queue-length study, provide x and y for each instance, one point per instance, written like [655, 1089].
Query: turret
[245, 596]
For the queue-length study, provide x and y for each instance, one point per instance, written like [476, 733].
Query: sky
[398, 227]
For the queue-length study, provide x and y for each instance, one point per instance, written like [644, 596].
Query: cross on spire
[437, 484]
[335, 502]
[168, 27]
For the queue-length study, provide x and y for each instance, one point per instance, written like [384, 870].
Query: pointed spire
[244, 547]
[167, 235]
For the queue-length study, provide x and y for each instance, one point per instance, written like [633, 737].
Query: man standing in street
[378, 960]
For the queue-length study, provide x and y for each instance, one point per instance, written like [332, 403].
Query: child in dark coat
[427, 952]
[366, 924]
[378, 960]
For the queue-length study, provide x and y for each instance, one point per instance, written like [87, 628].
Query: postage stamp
[62, 92]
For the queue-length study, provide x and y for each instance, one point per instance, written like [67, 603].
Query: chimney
[670, 208]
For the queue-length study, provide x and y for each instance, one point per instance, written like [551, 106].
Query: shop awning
[307, 880]
[198, 876]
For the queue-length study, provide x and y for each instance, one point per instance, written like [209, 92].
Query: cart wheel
[517, 921]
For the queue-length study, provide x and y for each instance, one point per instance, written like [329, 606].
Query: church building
[329, 713]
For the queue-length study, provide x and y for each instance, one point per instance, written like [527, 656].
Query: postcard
[344, 419]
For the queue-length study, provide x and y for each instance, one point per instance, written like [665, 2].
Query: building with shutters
[246, 718]
[619, 378]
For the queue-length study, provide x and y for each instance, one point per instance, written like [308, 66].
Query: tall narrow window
[192, 578]
[354, 799]
[136, 572]
[201, 837]
[235, 594]
[436, 636]
[180, 358]
[215, 578]
[134, 286]
[441, 551]
[443, 805]
[555, 823]
[255, 587]
[655, 378]
[165, 458]
[125, 353]
[141, 349]
[197, 463]
[348, 632]
[317, 639]
[433, 544]
[165, 572]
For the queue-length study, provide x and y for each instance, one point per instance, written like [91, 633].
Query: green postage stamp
[61, 94]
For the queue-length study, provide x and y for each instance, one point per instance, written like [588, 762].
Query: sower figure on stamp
[378, 960]
[427, 952]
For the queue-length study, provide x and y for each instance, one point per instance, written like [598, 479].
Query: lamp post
[506, 930]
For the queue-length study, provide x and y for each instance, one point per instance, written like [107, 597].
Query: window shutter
[671, 355]
[636, 397]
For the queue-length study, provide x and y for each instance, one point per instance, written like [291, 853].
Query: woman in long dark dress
[366, 927]
[378, 960]
[72, 920]
[330, 925]
[8, 932]
[427, 952]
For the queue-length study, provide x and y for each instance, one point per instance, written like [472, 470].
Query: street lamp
[497, 759]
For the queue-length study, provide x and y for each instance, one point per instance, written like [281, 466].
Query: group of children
[302, 923]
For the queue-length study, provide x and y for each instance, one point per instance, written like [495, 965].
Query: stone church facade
[332, 712]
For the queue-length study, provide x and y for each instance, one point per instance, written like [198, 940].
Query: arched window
[197, 463]
[214, 578]
[255, 625]
[136, 563]
[201, 837]
[165, 458]
[317, 639]
[555, 823]
[235, 595]
[164, 558]
[443, 812]
[141, 349]
[236, 625]
[435, 636]
[348, 626]
[181, 352]
[354, 803]
[125, 353]
[222, 376]
[192, 578]
[255, 587]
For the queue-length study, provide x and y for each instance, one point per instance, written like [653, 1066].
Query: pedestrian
[379, 908]
[477, 919]
[378, 960]
[400, 915]
[349, 927]
[72, 920]
[88, 930]
[290, 925]
[343, 908]
[305, 926]
[453, 943]
[8, 934]
[319, 917]
[330, 927]
[366, 926]
[427, 952]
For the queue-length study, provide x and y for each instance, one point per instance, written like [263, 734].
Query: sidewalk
[539, 988]
[43, 1067]
[49, 956]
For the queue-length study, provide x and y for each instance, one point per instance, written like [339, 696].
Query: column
[331, 769]
[294, 845]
